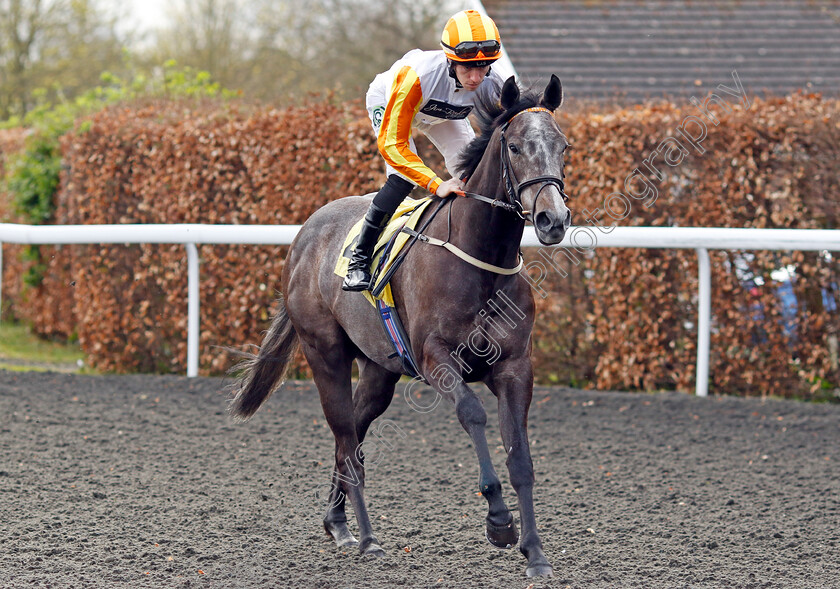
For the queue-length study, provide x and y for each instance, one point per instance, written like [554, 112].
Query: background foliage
[160, 139]
[618, 319]
[55, 50]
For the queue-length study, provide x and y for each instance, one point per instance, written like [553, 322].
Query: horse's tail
[264, 373]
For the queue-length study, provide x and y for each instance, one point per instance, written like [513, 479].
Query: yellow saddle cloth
[406, 215]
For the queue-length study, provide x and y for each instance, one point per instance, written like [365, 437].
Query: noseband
[513, 188]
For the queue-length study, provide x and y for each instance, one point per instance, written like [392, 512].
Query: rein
[494, 202]
[513, 188]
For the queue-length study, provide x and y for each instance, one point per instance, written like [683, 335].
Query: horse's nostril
[567, 221]
[543, 221]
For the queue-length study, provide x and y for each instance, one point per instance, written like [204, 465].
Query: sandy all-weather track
[144, 481]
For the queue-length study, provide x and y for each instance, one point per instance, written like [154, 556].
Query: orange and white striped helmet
[469, 36]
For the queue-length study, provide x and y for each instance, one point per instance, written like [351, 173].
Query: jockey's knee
[392, 193]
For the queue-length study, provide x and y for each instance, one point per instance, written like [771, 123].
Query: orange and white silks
[393, 142]
[417, 93]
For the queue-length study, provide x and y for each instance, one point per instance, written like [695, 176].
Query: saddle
[390, 243]
[399, 232]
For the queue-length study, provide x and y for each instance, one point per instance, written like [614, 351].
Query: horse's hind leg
[331, 363]
[335, 520]
[373, 394]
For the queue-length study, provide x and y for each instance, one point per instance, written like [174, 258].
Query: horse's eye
[513, 148]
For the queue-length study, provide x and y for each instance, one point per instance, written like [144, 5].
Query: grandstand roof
[635, 49]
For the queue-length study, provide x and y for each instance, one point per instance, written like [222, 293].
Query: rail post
[193, 329]
[704, 321]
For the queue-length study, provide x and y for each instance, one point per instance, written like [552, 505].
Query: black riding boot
[358, 272]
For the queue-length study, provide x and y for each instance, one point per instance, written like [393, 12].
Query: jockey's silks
[418, 93]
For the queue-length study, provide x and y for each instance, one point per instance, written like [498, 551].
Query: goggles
[471, 49]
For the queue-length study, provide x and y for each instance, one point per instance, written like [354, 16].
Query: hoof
[339, 532]
[504, 536]
[539, 569]
[371, 548]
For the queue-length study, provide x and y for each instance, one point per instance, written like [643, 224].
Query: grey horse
[465, 323]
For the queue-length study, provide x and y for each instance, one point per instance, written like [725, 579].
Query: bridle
[513, 188]
[513, 204]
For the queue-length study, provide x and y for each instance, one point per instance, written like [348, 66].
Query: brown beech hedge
[613, 319]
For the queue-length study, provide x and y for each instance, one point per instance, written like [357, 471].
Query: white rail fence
[700, 239]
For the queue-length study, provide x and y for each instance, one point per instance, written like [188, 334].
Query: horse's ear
[510, 93]
[553, 96]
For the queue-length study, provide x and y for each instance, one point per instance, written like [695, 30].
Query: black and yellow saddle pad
[406, 215]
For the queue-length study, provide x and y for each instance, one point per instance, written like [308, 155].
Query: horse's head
[533, 147]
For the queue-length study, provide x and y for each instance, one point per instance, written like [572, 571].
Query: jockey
[433, 92]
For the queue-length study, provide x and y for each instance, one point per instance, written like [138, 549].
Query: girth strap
[464, 255]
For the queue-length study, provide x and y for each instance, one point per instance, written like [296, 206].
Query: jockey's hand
[447, 187]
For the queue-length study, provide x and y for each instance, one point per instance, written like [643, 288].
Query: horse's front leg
[500, 528]
[512, 382]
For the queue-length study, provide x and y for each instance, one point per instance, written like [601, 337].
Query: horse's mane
[489, 117]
